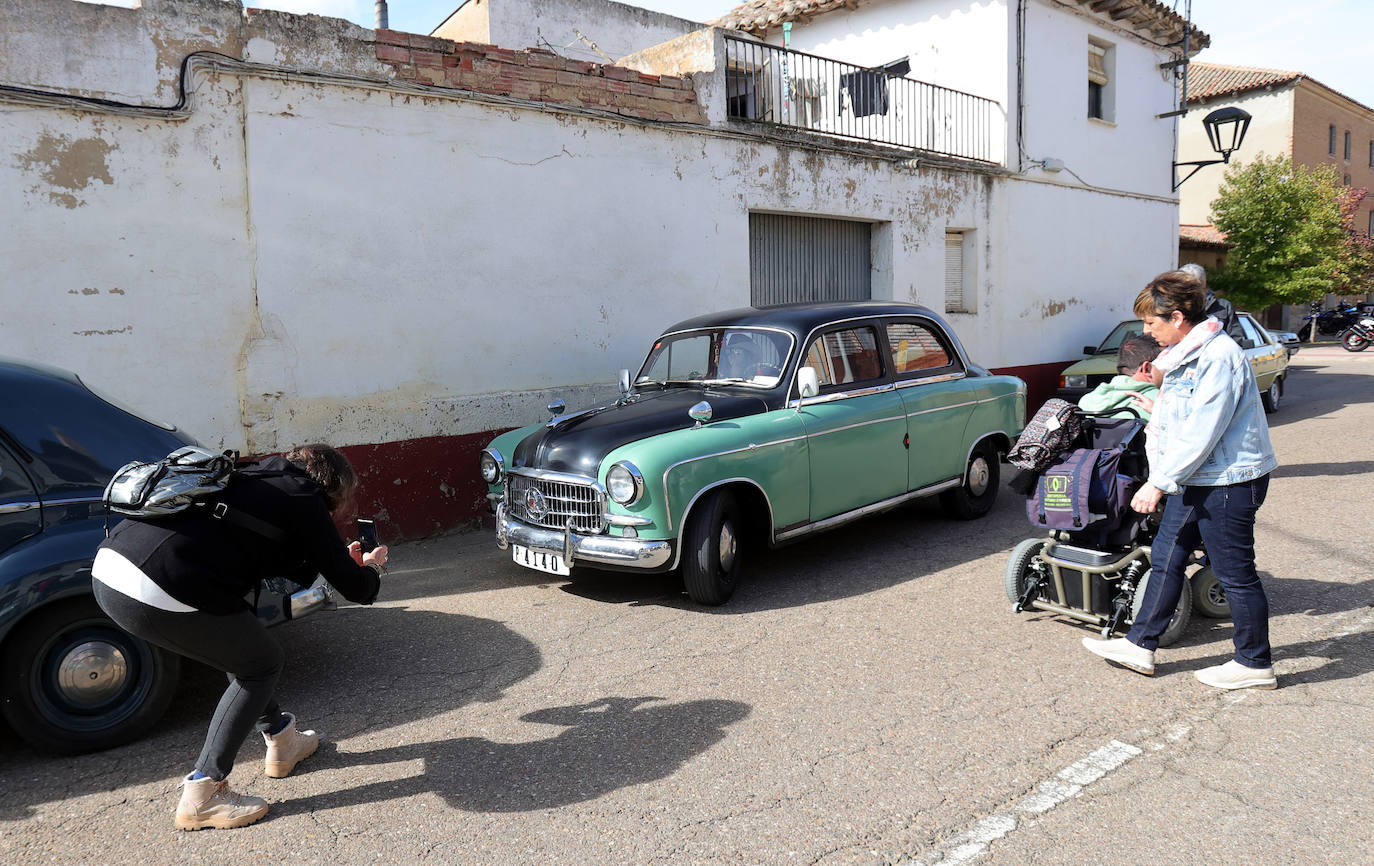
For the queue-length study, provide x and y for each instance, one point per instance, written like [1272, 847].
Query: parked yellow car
[1267, 356]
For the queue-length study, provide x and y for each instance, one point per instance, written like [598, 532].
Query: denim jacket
[1209, 426]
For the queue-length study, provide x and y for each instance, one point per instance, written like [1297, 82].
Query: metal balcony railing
[767, 84]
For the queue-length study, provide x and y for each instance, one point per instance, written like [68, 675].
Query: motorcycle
[1358, 336]
[1332, 322]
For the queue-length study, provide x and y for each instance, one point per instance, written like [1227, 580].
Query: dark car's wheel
[1177, 623]
[711, 550]
[73, 681]
[976, 495]
[1272, 395]
[1018, 576]
[1209, 598]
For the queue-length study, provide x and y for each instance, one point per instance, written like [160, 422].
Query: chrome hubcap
[978, 473]
[726, 546]
[91, 673]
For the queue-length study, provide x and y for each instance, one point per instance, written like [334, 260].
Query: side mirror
[623, 382]
[808, 382]
[1089, 350]
[556, 407]
[700, 413]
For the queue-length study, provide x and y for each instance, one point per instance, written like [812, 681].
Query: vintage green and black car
[752, 428]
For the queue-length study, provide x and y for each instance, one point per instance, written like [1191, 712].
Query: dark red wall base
[1042, 381]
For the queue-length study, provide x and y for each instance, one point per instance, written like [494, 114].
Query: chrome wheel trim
[978, 474]
[91, 673]
[726, 544]
[1275, 392]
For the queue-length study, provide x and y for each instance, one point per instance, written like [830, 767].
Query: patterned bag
[1055, 428]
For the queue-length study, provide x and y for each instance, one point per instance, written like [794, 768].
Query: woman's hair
[329, 468]
[1170, 291]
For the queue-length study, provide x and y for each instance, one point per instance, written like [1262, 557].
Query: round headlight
[624, 484]
[490, 465]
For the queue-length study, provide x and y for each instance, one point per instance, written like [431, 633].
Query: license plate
[549, 563]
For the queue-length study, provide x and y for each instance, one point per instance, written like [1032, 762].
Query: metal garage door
[793, 258]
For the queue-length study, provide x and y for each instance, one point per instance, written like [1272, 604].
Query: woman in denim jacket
[1210, 452]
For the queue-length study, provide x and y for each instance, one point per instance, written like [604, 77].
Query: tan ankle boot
[288, 748]
[210, 803]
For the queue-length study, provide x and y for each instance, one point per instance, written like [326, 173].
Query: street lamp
[1225, 131]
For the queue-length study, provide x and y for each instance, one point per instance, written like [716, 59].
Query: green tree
[1291, 234]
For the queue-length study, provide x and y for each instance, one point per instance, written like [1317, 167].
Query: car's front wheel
[72, 681]
[711, 549]
[974, 497]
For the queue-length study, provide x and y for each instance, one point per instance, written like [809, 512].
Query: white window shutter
[954, 272]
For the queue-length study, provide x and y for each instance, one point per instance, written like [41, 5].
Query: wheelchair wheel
[1177, 623]
[1018, 574]
[1209, 598]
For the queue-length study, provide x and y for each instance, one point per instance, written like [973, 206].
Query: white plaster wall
[617, 29]
[1134, 151]
[310, 261]
[1270, 134]
[960, 44]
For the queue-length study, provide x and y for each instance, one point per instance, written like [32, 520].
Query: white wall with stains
[304, 259]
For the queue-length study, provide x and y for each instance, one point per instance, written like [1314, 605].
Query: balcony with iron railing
[772, 85]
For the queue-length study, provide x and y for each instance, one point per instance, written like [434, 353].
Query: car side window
[1250, 340]
[845, 357]
[916, 349]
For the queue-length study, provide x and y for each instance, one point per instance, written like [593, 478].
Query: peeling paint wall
[304, 259]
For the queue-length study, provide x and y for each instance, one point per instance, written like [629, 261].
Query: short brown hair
[1170, 291]
[1135, 351]
[330, 469]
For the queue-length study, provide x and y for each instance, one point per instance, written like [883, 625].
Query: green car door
[935, 397]
[856, 426]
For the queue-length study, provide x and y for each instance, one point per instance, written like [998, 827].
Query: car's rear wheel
[1272, 395]
[73, 681]
[711, 549]
[975, 496]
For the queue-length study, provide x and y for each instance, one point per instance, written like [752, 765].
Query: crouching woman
[1210, 452]
[180, 583]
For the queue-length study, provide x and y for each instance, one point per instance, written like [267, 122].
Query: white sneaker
[1234, 675]
[1122, 652]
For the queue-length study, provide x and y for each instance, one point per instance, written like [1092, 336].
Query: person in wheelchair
[1135, 376]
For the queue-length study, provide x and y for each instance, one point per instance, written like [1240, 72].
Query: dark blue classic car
[70, 679]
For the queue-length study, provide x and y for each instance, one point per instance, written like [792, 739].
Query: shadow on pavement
[340, 678]
[1310, 391]
[608, 744]
[905, 544]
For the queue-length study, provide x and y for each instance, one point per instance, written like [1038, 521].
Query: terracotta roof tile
[1210, 80]
[1150, 18]
[1204, 234]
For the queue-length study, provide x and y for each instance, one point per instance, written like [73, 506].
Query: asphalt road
[867, 697]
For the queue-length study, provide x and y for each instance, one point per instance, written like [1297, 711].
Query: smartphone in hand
[367, 534]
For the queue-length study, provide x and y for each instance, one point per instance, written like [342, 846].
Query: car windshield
[1119, 335]
[718, 356]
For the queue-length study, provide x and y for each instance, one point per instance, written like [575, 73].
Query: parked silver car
[1287, 339]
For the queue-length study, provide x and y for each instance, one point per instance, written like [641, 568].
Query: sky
[1324, 39]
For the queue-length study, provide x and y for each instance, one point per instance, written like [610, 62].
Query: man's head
[1135, 357]
[1196, 271]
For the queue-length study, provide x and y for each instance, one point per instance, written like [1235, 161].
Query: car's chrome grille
[562, 501]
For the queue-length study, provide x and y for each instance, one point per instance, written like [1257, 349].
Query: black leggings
[236, 643]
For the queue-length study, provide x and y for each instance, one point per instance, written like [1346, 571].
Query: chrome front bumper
[582, 549]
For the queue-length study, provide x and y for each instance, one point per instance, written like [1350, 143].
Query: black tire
[1353, 342]
[73, 681]
[1272, 396]
[977, 493]
[1209, 598]
[1178, 622]
[711, 550]
[1017, 577]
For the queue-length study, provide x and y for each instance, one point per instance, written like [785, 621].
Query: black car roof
[802, 319]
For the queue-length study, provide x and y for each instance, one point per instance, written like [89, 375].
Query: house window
[1331, 139]
[1347, 180]
[1371, 154]
[1371, 224]
[1100, 97]
[1347, 145]
[959, 294]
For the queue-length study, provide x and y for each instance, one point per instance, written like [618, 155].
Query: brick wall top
[538, 75]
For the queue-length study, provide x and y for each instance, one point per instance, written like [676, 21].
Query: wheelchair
[1098, 574]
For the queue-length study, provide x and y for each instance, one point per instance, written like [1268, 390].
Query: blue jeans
[1223, 519]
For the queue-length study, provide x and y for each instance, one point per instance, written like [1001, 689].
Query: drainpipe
[381, 16]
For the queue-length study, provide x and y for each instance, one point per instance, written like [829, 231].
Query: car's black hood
[578, 444]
